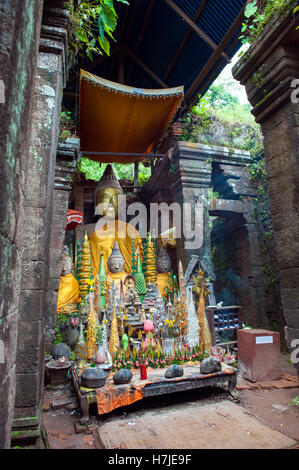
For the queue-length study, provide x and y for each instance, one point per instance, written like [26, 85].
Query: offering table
[111, 396]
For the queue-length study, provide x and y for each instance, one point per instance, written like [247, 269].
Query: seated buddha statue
[116, 271]
[68, 293]
[109, 228]
[163, 269]
[131, 296]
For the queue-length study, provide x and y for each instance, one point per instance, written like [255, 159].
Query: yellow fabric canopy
[118, 118]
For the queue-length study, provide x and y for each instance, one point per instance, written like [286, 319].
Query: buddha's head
[66, 262]
[106, 196]
[116, 260]
[163, 261]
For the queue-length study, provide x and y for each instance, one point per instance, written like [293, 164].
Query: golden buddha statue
[163, 268]
[109, 228]
[116, 270]
[68, 293]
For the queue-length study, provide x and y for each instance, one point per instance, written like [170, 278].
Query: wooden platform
[113, 396]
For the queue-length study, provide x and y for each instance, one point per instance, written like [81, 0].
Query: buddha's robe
[68, 292]
[102, 241]
[162, 283]
[117, 278]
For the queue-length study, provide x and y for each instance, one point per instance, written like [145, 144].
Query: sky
[226, 76]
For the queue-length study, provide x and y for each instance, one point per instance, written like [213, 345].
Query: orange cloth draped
[111, 396]
[68, 292]
[122, 119]
[102, 241]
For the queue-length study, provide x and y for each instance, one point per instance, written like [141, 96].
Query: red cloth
[74, 218]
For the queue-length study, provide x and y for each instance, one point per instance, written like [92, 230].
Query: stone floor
[265, 405]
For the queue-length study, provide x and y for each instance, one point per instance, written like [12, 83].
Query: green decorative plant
[91, 27]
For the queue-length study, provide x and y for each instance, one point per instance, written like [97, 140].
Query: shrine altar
[111, 396]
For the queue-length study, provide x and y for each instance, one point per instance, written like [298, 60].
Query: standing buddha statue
[163, 268]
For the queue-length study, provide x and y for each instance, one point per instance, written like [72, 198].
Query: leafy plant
[295, 401]
[92, 24]
[95, 170]
[257, 19]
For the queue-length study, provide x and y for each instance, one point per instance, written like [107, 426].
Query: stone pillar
[19, 37]
[38, 166]
[191, 182]
[267, 70]
[66, 159]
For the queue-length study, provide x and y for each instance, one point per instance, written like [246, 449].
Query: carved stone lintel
[54, 34]
[66, 160]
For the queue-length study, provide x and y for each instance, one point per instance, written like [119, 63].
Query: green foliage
[91, 27]
[257, 19]
[213, 194]
[220, 108]
[261, 211]
[95, 170]
[67, 127]
[295, 401]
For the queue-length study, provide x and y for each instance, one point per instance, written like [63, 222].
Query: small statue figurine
[116, 270]
[132, 304]
[163, 268]
[68, 293]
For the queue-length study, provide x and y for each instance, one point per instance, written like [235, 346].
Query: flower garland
[121, 362]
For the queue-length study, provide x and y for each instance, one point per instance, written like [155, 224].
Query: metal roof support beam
[216, 67]
[147, 17]
[145, 67]
[194, 26]
[124, 154]
[121, 73]
[215, 56]
[183, 43]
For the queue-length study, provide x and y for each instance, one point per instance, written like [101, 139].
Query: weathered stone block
[27, 390]
[174, 370]
[123, 376]
[34, 275]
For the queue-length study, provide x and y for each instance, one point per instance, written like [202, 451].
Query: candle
[143, 374]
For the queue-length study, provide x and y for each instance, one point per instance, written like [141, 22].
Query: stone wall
[268, 71]
[19, 39]
[66, 158]
[39, 170]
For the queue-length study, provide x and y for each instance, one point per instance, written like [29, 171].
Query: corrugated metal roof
[156, 45]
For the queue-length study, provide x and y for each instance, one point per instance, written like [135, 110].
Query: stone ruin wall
[19, 40]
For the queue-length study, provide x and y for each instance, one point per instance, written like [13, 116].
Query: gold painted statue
[109, 228]
[163, 268]
[68, 293]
